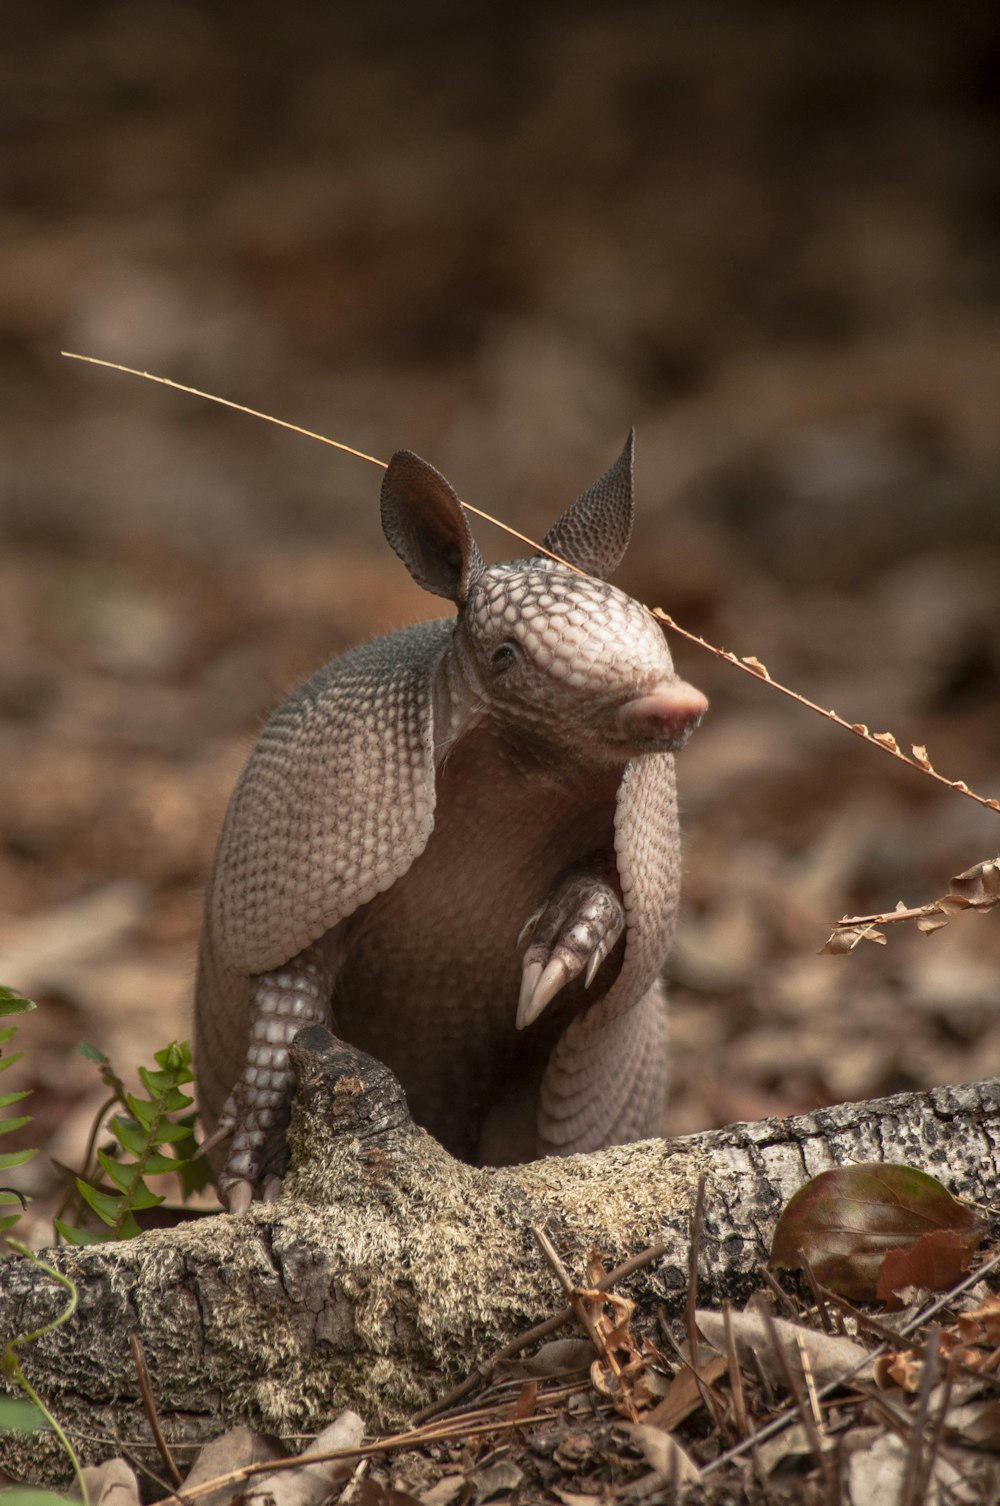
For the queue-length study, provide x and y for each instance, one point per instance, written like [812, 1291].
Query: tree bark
[388, 1270]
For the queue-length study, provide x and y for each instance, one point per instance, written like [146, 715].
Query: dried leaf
[886, 740]
[444, 1492]
[684, 1394]
[495, 1480]
[981, 1324]
[526, 1399]
[373, 1493]
[847, 1219]
[558, 1357]
[311, 1482]
[976, 1422]
[930, 923]
[232, 1450]
[903, 1368]
[758, 668]
[846, 938]
[830, 1356]
[920, 754]
[665, 1455]
[979, 884]
[791, 1443]
[112, 1483]
[937, 1261]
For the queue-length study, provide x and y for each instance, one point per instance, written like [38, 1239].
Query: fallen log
[388, 1270]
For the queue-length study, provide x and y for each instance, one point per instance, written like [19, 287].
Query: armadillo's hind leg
[605, 1082]
[572, 933]
[282, 1003]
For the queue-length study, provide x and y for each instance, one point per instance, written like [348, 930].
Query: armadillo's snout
[665, 716]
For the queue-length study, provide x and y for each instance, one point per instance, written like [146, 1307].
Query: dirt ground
[767, 238]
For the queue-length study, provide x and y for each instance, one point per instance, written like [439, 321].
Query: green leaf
[156, 1165]
[105, 1204]
[34, 1495]
[15, 1056]
[130, 1135]
[9, 1158]
[14, 1003]
[846, 1220]
[122, 1173]
[19, 1415]
[74, 1236]
[176, 1058]
[6, 1099]
[6, 1125]
[146, 1113]
[92, 1053]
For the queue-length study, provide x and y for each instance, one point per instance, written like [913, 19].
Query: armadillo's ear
[424, 522]
[594, 533]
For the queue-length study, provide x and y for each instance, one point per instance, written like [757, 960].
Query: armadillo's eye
[503, 658]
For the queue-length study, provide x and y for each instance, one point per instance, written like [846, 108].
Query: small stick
[735, 1373]
[817, 1294]
[778, 1424]
[913, 1481]
[576, 1302]
[809, 1422]
[748, 664]
[705, 1391]
[482, 1373]
[152, 1417]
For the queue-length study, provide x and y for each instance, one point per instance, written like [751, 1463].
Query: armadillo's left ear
[423, 520]
[593, 534]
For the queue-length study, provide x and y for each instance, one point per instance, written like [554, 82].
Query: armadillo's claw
[239, 1196]
[600, 953]
[540, 982]
[271, 1190]
[572, 933]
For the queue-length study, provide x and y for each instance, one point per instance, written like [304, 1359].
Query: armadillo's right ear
[593, 534]
[423, 520]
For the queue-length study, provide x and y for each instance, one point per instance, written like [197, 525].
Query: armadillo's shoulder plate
[335, 803]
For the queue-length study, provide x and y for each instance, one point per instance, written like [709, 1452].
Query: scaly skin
[459, 844]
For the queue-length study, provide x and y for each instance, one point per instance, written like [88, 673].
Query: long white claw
[539, 987]
[271, 1190]
[239, 1197]
[599, 955]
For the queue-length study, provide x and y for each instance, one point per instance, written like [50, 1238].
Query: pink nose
[667, 715]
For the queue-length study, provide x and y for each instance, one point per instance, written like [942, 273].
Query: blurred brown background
[766, 235]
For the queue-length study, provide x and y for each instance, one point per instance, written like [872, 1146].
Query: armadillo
[457, 846]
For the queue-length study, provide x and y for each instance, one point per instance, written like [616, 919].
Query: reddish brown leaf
[938, 1260]
[846, 1220]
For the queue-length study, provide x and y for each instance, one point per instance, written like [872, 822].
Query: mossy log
[388, 1270]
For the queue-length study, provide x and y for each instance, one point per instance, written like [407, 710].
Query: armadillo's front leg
[282, 1003]
[572, 933]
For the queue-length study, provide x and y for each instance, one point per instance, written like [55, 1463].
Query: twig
[705, 1391]
[152, 1417]
[795, 1392]
[778, 1424]
[913, 1482]
[576, 1301]
[458, 1427]
[483, 1372]
[748, 664]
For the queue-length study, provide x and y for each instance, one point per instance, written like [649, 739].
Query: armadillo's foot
[572, 933]
[281, 1004]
